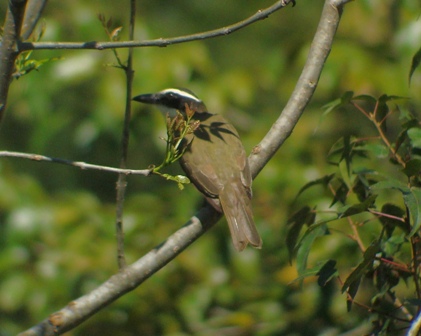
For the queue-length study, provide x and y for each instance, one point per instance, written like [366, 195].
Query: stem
[122, 179]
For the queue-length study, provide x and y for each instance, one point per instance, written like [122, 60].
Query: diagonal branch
[304, 89]
[132, 276]
[161, 42]
[32, 14]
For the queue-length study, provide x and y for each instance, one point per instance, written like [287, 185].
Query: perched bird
[215, 161]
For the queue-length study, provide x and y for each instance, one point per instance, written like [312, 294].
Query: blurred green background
[57, 238]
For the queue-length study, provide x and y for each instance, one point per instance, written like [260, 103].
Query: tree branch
[32, 14]
[161, 42]
[304, 90]
[8, 48]
[121, 182]
[81, 165]
[133, 275]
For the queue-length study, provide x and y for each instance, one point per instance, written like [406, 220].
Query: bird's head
[171, 100]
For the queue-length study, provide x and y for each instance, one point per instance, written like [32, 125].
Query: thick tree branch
[131, 277]
[260, 15]
[8, 48]
[304, 90]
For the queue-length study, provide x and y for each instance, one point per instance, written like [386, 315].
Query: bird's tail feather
[236, 206]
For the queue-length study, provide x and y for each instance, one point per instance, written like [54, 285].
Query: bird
[215, 160]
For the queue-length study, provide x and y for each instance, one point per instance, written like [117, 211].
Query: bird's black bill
[148, 98]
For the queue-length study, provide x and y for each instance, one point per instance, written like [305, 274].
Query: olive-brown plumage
[216, 163]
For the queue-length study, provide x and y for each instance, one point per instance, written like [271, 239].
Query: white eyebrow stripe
[182, 94]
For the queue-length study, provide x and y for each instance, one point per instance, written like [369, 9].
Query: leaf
[412, 199]
[366, 98]
[344, 100]
[389, 222]
[354, 209]
[414, 135]
[324, 181]
[296, 223]
[306, 243]
[389, 184]
[327, 272]
[412, 168]
[378, 150]
[341, 193]
[314, 271]
[356, 275]
[414, 65]
[352, 291]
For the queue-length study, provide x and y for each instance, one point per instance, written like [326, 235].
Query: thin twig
[79, 164]
[122, 180]
[161, 42]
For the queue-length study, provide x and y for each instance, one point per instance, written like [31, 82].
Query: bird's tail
[236, 205]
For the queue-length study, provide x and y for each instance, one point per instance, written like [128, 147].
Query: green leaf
[341, 192]
[412, 168]
[359, 272]
[389, 222]
[366, 98]
[390, 184]
[412, 199]
[295, 224]
[414, 135]
[415, 63]
[350, 210]
[378, 150]
[352, 291]
[327, 272]
[324, 181]
[316, 270]
[344, 100]
[306, 243]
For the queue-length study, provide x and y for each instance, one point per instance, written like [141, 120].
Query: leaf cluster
[380, 205]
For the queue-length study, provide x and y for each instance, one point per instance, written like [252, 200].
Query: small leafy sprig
[113, 35]
[178, 128]
[24, 64]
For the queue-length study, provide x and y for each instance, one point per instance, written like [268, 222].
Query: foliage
[390, 227]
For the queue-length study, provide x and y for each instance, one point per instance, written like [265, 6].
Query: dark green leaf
[366, 98]
[354, 209]
[352, 291]
[324, 181]
[415, 63]
[389, 222]
[412, 168]
[327, 272]
[305, 245]
[412, 199]
[295, 223]
[344, 100]
[340, 194]
[314, 271]
[364, 266]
